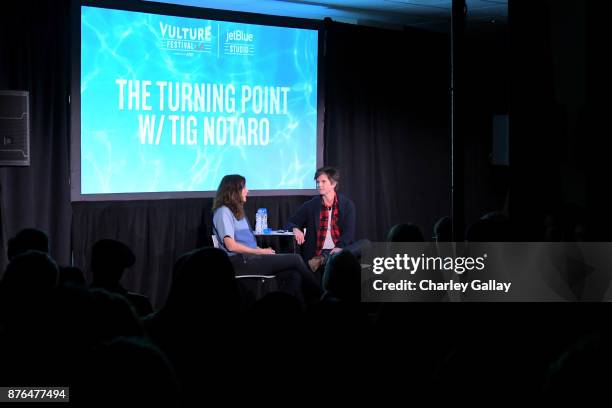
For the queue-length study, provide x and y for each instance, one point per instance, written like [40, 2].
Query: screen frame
[74, 98]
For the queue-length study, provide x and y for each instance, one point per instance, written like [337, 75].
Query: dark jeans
[355, 248]
[290, 269]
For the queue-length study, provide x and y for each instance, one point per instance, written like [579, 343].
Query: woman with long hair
[232, 229]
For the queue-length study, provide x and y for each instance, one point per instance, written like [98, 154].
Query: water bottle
[264, 219]
[258, 221]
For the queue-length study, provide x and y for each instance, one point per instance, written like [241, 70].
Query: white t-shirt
[329, 242]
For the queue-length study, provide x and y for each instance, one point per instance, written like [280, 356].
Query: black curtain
[34, 56]
[386, 129]
[387, 124]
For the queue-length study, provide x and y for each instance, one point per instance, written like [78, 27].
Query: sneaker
[315, 263]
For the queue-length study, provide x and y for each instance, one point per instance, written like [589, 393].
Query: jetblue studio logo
[239, 35]
[239, 42]
[182, 38]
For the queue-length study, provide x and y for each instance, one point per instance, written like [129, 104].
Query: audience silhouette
[109, 259]
[28, 239]
[54, 329]
[405, 233]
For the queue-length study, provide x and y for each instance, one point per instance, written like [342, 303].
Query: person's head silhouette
[109, 258]
[28, 239]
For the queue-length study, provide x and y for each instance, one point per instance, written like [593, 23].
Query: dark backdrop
[34, 56]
